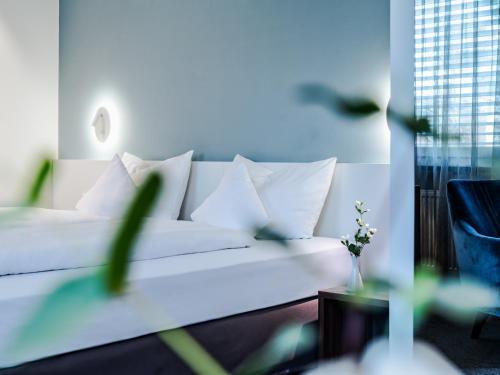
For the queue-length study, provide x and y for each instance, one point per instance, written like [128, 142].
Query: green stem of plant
[191, 352]
[361, 220]
[179, 340]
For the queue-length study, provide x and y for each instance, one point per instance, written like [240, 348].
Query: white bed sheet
[22, 216]
[189, 288]
[44, 241]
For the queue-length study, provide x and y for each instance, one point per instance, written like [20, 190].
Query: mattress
[184, 289]
[48, 246]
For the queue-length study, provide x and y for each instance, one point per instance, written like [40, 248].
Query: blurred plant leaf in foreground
[426, 283]
[420, 126]
[61, 312]
[270, 235]
[191, 352]
[179, 339]
[126, 237]
[281, 346]
[377, 359]
[324, 96]
[461, 299]
[38, 183]
[34, 191]
[451, 297]
[372, 287]
[73, 300]
[33, 194]
[357, 106]
[412, 123]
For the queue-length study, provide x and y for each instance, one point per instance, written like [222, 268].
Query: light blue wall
[219, 76]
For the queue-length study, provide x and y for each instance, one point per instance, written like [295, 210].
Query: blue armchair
[474, 208]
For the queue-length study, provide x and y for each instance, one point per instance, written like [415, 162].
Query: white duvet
[17, 216]
[43, 240]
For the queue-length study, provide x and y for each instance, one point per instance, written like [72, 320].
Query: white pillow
[111, 193]
[235, 203]
[135, 164]
[258, 173]
[294, 196]
[175, 172]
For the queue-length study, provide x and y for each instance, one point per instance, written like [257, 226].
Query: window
[457, 80]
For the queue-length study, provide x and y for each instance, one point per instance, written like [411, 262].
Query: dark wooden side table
[348, 323]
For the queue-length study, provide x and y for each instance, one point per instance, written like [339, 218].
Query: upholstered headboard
[367, 182]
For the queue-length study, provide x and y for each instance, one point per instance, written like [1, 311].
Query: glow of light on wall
[114, 143]
[385, 96]
[382, 136]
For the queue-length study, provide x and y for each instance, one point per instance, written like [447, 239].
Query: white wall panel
[29, 60]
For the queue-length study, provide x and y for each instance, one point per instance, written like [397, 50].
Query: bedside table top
[341, 294]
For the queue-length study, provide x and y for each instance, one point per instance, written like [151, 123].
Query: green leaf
[127, 235]
[420, 126]
[270, 235]
[179, 340]
[322, 95]
[411, 123]
[354, 249]
[288, 340]
[193, 354]
[460, 299]
[425, 286]
[61, 312]
[376, 285]
[316, 93]
[34, 192]
[38, 183]
[359, 107]
[417, 125]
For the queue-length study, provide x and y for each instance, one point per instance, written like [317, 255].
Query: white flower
[358, 203]
[367, 225]
[369, 235]
[373, 230]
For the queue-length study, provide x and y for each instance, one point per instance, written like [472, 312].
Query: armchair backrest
[476, 203]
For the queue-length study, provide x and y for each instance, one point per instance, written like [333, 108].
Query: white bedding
[44, 240]
[189, 288]
[17, 216]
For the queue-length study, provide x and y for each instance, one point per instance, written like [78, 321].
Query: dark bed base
[230, 340]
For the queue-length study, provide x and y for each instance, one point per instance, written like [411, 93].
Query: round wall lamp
[102, 124]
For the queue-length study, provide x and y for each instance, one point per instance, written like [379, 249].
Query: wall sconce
[102, 124]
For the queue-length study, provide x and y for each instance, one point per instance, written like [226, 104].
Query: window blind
[457, 79]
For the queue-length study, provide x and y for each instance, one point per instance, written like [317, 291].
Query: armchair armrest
[478, 255]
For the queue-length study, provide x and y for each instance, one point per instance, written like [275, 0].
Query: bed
[249, 285]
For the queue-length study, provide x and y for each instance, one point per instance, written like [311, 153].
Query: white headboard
[367, 182]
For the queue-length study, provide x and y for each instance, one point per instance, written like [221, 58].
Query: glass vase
[355, 281]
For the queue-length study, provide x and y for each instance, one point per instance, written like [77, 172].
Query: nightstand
[345, 326]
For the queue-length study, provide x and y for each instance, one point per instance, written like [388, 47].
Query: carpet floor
[476, 357]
